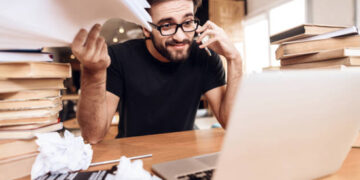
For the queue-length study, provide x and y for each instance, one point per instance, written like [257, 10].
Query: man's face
[175, 47]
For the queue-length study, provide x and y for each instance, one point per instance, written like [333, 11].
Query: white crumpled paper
[127, 170]
[61, 155]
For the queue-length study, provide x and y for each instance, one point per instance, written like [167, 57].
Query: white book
[342, 32]
[24, 57]
[53, 23]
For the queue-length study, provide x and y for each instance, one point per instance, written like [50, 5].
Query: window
[258, 51]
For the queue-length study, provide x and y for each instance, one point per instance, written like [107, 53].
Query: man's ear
[146, 33]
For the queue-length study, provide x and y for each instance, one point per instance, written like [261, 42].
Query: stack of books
[318, 47]
[30, 102]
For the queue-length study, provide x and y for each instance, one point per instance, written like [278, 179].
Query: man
[156, 83]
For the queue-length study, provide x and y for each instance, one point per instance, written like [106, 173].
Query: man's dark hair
[197, 3]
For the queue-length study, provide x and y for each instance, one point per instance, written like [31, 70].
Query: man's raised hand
[91, 50]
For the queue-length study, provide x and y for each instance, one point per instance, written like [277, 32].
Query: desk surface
[163, 147]
[172, 146]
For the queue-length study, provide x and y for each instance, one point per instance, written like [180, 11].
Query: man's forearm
[234, 74]
[92, 107]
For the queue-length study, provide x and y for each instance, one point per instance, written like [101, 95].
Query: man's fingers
[78, 42]
[104, 52]
[92, 37]
[203, 35]
[212, 40]
[207, 25]
[100, 41]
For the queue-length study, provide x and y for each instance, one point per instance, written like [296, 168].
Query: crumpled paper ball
[61, 155]
[127, 170]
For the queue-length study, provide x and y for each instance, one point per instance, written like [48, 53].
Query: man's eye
[166, 25]
[188, 22]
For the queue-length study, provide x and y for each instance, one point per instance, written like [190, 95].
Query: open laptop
[284, 125]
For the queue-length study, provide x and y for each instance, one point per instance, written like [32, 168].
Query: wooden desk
[172, 146]
[164, 147]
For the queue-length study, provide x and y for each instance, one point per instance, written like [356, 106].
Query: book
[30, 121]
[333, 63]
[33, 113]
[321, 56]
[35, 70]
[99, 174]
[302, 31]
[310, 47]
[29, 95]
[29, 104]
[13, 85]
[13, 148]
[29, 133]
[17, 167]
[37, 24]
[342, 32]
[11, 56]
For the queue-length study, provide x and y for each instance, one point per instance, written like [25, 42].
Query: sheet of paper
[50, 23]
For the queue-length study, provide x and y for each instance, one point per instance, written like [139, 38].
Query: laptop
[284, 125]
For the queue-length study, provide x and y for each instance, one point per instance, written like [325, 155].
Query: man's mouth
[178, 46]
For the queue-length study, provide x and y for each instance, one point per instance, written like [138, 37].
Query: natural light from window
[258, 52]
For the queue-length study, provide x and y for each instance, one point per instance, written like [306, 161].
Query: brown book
[321, 56]
[302, 31]
[34, 70]
[17, 167]
[329, 64]
[29, 133]
[33, 113]
[287, 50]
[30, 121]
[13, 148]
[30, 95]
[29, 104]
[13, 85]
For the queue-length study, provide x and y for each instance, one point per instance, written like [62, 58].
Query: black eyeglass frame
[177, 27]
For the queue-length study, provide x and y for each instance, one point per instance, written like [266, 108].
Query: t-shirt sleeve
[214, 73]
[114, 78]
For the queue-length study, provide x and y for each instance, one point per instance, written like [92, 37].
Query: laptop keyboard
[203, 175]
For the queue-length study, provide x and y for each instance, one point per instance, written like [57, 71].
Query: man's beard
[172, 56]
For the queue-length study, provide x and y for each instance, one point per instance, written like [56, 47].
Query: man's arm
[96, 106]
[221, 99]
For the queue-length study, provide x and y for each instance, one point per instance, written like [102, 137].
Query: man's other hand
[91, 50]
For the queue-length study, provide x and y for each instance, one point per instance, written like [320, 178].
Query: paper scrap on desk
[127, 170]
[61, 155]
[52, 23]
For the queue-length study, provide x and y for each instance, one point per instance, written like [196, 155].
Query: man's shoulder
[126, 49]
[200, 55]
[129, 44]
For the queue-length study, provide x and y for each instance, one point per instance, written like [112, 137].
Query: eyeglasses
[169, 29]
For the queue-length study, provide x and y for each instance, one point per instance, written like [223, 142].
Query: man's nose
[180, 35]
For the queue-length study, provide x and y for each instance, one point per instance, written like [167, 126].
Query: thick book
[321, 56]
[29, 133]
[9, 105]
[35, 70]
[11, 149]
[14, 85]
[33, 113]
[18, 167]
[29, 95]
[334, 63]
[30, 121]
[11, 56]
[34, 24]
[310, 47]
[302, 31]
[342, 32]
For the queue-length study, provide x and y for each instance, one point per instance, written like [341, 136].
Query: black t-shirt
[158, 97]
